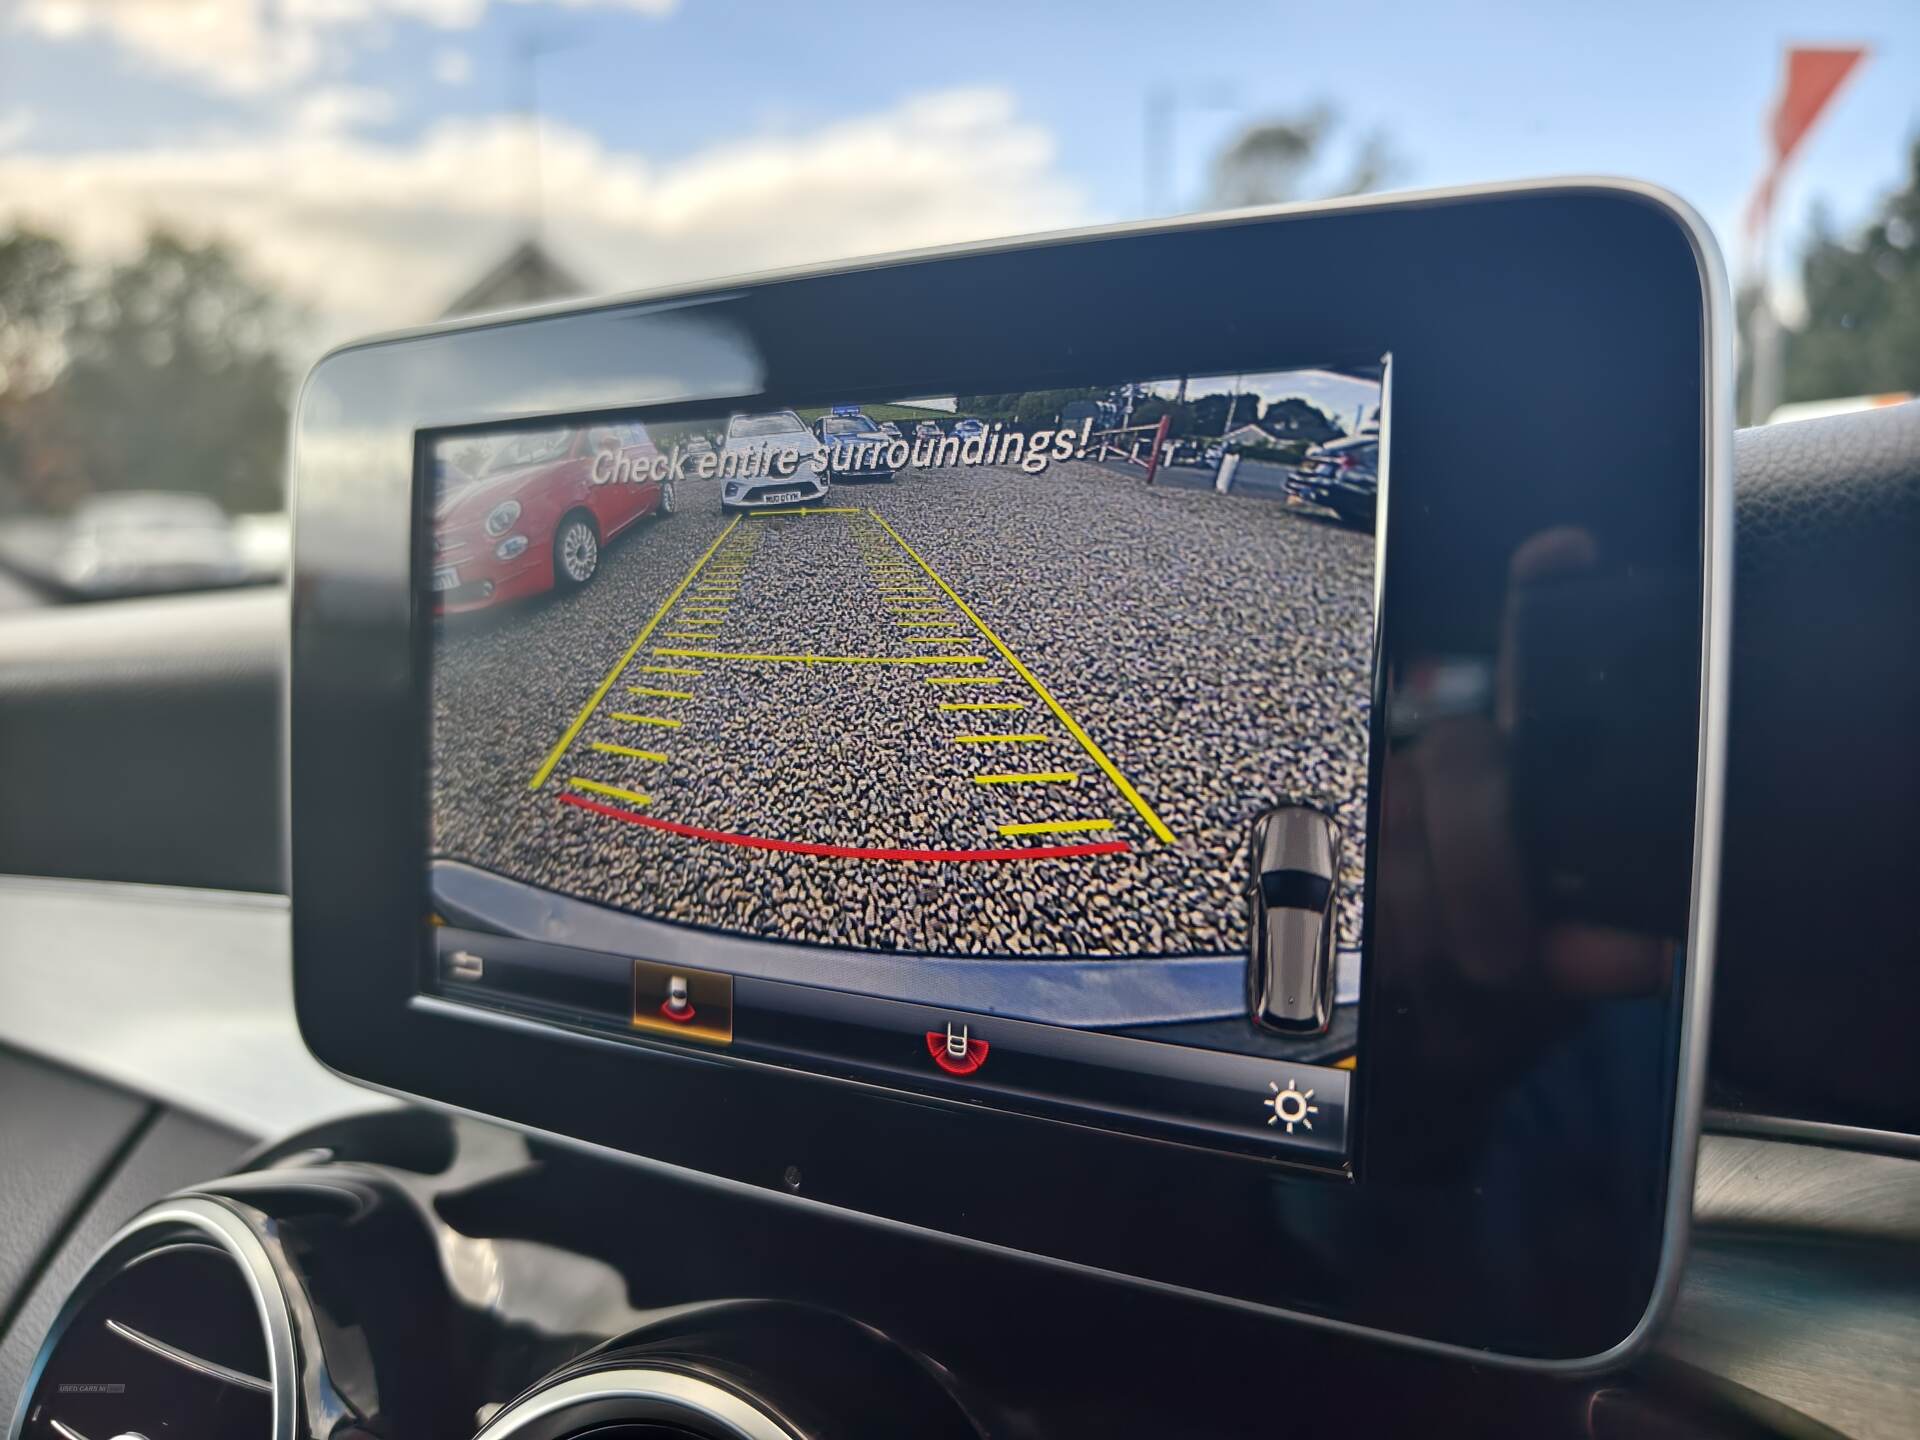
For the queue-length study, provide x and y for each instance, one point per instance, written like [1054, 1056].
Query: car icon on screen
[1291, 894]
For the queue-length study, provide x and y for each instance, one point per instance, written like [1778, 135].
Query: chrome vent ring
[179, 1326]
[649, 1399]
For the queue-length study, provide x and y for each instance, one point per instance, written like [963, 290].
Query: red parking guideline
[848, 852]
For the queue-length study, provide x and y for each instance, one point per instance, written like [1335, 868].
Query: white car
[139, 542]
[753, 445]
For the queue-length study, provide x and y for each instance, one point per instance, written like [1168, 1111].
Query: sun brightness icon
[1289, 1106]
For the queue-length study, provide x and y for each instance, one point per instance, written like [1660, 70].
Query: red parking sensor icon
[677, 1007]
[955, 1051]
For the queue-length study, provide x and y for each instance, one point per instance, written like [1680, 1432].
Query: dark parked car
[858, 445]
[1342, 476]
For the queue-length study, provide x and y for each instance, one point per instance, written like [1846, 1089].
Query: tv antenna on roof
[530, 47]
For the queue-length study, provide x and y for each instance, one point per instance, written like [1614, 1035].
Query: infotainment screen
[1011, 742]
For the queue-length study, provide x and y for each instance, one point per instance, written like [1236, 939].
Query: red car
[532, 518]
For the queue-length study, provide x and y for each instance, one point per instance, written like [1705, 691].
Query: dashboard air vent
[178, 1329]
[633, 1402]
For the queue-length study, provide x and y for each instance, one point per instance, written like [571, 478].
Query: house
[526, 275]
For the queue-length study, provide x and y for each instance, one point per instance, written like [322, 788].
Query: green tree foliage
[37, 291]
[162, 375]
[1149, 411]
[1862, 333]
[1273, 161]
[1211, 415]
[1300, 419]
[1024, 409]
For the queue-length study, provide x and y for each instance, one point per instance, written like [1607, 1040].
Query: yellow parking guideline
[1056, 827]
[687, 635]
[607, 748]
[995, 739]
[983, 705]
[632, 796]
[662, 694]
[818, 659]
[921, 624]
[593, 703]
[667, 670]
[632, 719]
[967, 680]
[939, 639]
[1030, 777]
[1094, 752]
[806, 510]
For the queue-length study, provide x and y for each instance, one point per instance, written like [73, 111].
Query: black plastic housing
[1528, 1088]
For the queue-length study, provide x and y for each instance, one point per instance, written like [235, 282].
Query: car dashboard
[177, 1165]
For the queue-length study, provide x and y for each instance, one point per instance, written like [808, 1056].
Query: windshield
[197, 200]
[849, 425]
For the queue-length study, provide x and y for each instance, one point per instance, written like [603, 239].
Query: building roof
[525, 275]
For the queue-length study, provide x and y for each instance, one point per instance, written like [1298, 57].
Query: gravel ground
[1216, 648]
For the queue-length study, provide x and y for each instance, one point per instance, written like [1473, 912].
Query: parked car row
[1342, 476]
[533, 511]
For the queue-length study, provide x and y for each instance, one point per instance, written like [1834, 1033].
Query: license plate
[783, 497]
[447, 577]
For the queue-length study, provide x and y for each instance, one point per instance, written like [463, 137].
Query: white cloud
[335, 108]
[246, 47]
[452, 66]
[370, 235]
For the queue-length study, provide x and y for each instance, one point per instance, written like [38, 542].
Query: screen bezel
[1587, 279]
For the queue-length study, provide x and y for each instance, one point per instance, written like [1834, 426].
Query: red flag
[1813, 77]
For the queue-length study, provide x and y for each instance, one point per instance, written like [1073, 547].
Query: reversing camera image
[1051, 675]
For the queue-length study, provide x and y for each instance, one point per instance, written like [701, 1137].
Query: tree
[1271, 161]
[163, 376]
[1300, 419]
[1149, 411]
[36, 298]
[38, 461]
[1025, 409]
[1862, 332]
[1212, 415]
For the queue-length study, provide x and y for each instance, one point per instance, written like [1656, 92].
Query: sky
[369, 158]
